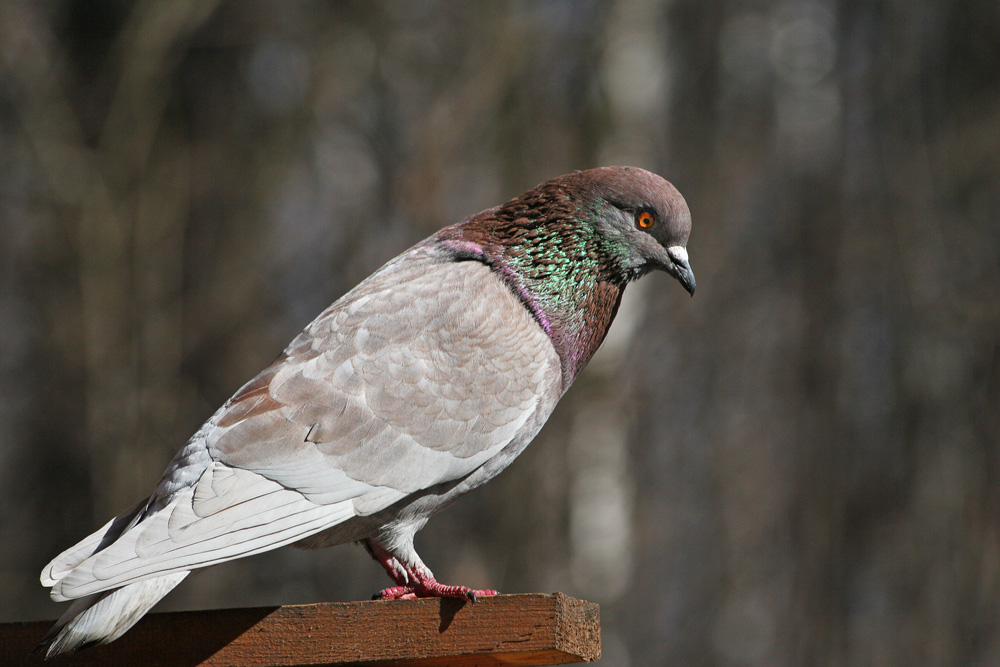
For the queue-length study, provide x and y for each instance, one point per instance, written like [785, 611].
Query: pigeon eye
[645, 220]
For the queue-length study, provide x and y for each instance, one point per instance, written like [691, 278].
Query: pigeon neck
[560, 273]
[575, 320]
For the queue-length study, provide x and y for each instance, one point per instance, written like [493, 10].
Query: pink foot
[416, 581]
[430, 588]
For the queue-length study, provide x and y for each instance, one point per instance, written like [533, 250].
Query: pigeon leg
[416, 581]
[395, 569]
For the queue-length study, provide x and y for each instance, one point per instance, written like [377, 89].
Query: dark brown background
[799, 466]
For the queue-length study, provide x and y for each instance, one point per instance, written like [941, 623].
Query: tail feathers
[104, 617]
[64, 563]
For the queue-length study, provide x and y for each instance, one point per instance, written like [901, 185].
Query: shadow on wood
[529, 629]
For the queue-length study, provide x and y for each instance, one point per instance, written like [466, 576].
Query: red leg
[417, 581]
[389, 562]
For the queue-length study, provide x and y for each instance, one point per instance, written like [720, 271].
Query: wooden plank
[529, 629]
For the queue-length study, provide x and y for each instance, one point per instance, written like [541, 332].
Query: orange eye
[645, 220]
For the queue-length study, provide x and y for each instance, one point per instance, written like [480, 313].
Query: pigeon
[417, 386]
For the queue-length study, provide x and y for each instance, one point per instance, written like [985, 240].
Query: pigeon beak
[681, 267]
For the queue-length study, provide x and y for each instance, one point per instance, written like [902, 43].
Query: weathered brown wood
[531, 629]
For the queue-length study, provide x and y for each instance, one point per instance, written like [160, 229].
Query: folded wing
[415, 378]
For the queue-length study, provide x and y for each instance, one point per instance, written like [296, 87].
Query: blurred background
[799, 466]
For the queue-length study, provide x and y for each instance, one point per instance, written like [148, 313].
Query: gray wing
[418, 376]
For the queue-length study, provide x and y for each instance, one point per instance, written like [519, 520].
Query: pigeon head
[642, 219]
[568, 247]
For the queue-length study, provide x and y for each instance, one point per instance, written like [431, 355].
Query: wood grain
[529, 629]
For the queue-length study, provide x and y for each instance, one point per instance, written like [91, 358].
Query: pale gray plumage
[418, 385]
